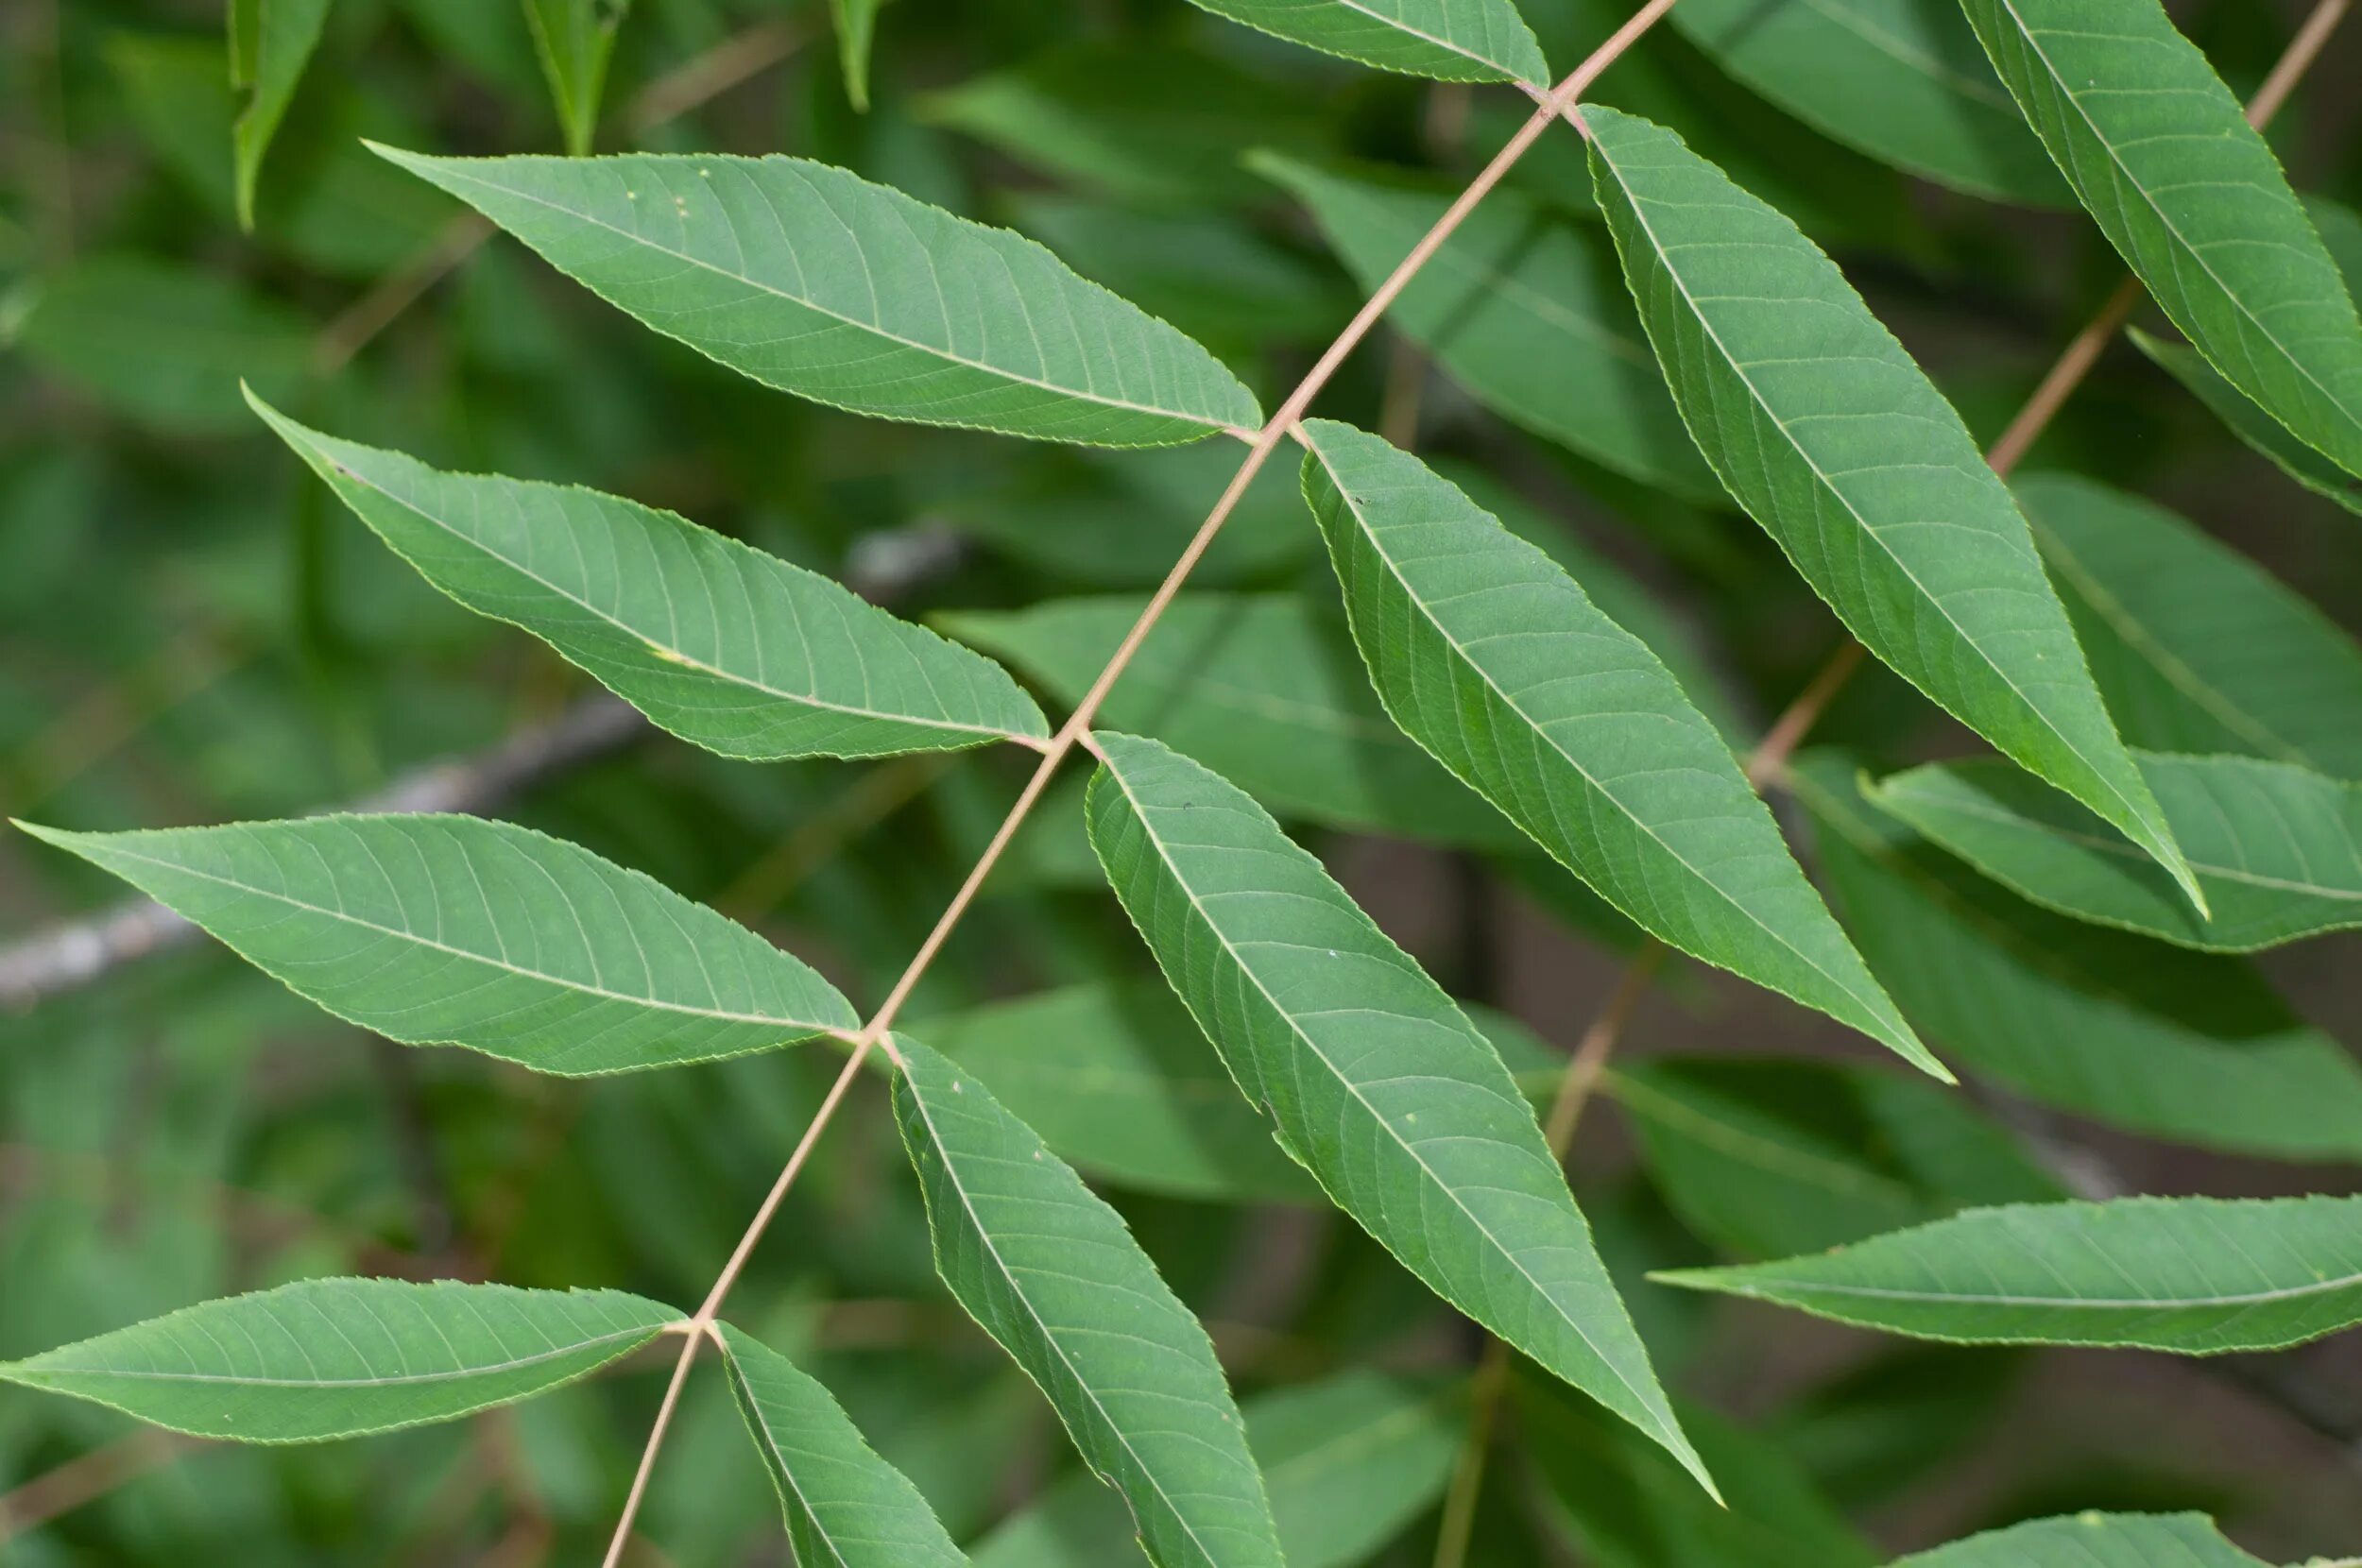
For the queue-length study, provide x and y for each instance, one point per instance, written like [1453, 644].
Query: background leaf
[270, 43]
[2092, 1541]
[576, 39]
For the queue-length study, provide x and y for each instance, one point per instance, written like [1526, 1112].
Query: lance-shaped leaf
[270, 43]
[1494, 659]
[2197, 1276]
[856, 25]
[1838, 445]
[341, 1357]
[2249, 423]
[1522, 306]
[2161, 154]
[2136, 1035]
[816, 282]
[845, 1506]
[446, 930]
[2093, 1541]
[1448, 40]
[1371, 1076]
[2197, 648]
[1902, 80]
[576, 39]
[718, 642]
[2277, 847]
[1051, 1273]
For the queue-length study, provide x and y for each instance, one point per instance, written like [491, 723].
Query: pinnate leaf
[2277, 847]
[2161, 154]
[1496, 660]
[1448, 40]
[1373, 1079]
[1051, 1273]
[845, 1506]
[2193, 1276]
[718, 642]
[449, 930]
[1838, 444]
[2093, 1541]
[341, 1357]
[816, 282]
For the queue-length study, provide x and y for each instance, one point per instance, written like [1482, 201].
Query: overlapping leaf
[1450, 40]
[815, 281]
[1051, 1272]
[2162, 156]
[1494, 660]
[1521, 305]
[2093, 1541]
[2127, 1030]
[337, 1359]
[2197, 1276]
[576, 39]
[2277, 847]
[2258, 429]
[718, 642]
[2197, 648]
[1838, 445]
[1371, 1076]
[845, 1507]
[439, 929]
[1904, 82]
[270, 43]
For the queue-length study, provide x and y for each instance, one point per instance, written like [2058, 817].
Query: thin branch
[96, 1474]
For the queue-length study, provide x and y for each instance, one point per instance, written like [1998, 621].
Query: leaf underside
[1447, 40]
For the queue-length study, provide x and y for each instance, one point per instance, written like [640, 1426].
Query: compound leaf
[2197, 1276]
[816, 282]
[718, 642]
[342, 1357]
[1373, 1079]
[1496, 660]
[845, 1506]
[449, 930]
[2161, 154]
[1842, 448]
[2277, 847]
[1051, 1273]
[1448, 40]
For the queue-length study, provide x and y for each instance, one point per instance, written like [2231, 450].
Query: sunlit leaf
[1371, 1076]
[1050, 1272]
[2093, 1541]
[2197, 648]
[2192, 1275]
[718, 642]
[2277, 847]
[270, 43]
[845, 1507]
[445, 929]
[1494, 660]
[816, 282]
[341, 1357]
[1839, 446]
[1450, 40]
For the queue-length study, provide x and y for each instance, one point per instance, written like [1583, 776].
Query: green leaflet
[2277, 847]
[1628, 1506]
[1841, 448]
[1267, 686]
[2196, 1276]
[845, 1507]
[1051, 1272]
[1768, 1156]
[2162, 156]
[856, 25]
[270, 43]
[2258, 429]
[1902, 80]
[342, 1357]
[2093, 1541]
[1350, 1460]
[718, 642]
[2123, 1029]
[1372, 1077]
[816, 282]
[575, 40]
[1521, 305]
[2196, 647]
[436, 929]
[1494, 660]
[1450, 40]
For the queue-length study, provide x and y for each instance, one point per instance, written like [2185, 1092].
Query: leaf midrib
[2062, 1303]
[410, 1379]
